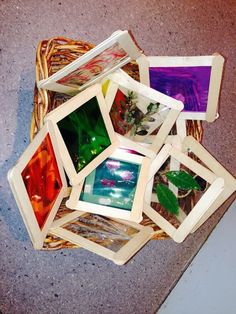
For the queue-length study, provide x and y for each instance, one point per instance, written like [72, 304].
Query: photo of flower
[112, 183]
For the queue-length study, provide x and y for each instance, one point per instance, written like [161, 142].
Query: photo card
[38, 184]
[196, 81]
[137, 111]
[84, 133]
[114, 239]
[176, 200]
[113, 53]
[115, 188]
[191, 146]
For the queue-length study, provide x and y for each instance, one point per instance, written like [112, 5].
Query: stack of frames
[117, 152]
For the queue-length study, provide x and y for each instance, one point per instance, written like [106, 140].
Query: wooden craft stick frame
[120, 79]
[138, 147]
[216, 61]
[135, 214]
[121, 256]
[213, 193]
[122, 38]
[67, 108]
[174, 140]
[21, 196]
[190, 144]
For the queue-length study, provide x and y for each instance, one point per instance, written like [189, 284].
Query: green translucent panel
[84, 133]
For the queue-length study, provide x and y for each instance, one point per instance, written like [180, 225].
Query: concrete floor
[208, 284]
[75, 281]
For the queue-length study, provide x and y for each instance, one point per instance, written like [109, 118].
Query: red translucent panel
[42, 180]
[117, 113]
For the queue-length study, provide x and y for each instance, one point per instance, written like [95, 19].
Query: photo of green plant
[129, 120]
[189, 187]
[84, 133]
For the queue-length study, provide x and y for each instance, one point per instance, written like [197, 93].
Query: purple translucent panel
[188, 84]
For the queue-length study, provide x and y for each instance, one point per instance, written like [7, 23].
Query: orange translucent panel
[42, 180]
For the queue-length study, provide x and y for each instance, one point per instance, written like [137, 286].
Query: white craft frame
[213, 193]
[120, 79]
[64, 110]
[190, 144]
[125, 41]
[121, 256]
[19, 191]
[216, 61]
[141, 148]
[135, 214]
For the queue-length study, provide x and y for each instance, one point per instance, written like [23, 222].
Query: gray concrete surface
[75, 281]
[208, 284]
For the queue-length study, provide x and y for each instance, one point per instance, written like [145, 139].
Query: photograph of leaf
[84, 133]
[167, 199]
[177, 192]
[128, 119]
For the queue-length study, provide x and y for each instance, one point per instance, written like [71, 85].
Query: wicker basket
[52, 55]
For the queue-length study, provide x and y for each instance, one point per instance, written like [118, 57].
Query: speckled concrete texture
[76, 281]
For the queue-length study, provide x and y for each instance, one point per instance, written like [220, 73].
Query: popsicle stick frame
[38, 184]
[115, 189]
[84, 133]
[97, 63]
[137, 110]
[194, 80]
[174, 140]
[191, 145]
[141, 148]
[212, 194]
[130, 247]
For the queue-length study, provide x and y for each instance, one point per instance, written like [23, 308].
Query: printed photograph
[103, 62]
[102, 230]
[128, 119]
[190, 187]
[113, 183]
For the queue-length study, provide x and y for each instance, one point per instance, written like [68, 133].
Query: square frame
[124, 40]
[135, 214]
[121, 256]
[216, 61]
[213, 193]
[67, 108]
[190, 144]
[121, 79]
[20, 193]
